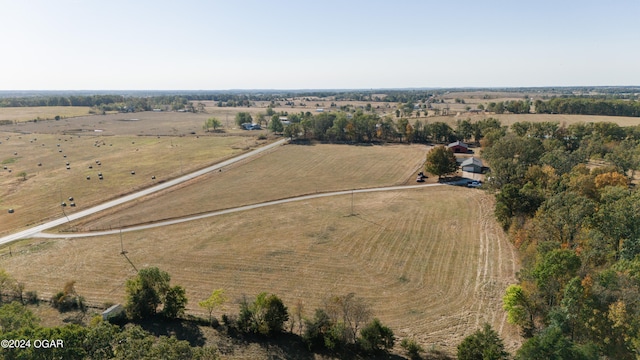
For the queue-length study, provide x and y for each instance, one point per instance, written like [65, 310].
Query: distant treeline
[587, 106]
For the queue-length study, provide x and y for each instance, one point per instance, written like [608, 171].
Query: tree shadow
[182, 330]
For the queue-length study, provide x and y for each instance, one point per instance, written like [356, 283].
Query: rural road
[28, 233]
[228, 211]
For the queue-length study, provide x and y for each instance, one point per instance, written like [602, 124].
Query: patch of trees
[511, 106]
[98, 340]
[587, 106]
[150, 289]
[344, 326]
[577, 229]
[362, 127]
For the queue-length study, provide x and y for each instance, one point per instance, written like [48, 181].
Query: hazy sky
[271, 44]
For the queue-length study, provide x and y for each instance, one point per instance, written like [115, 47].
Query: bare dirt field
[432, 262]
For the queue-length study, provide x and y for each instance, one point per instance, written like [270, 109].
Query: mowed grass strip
[431, 262]
[46, 186]
[289, 171]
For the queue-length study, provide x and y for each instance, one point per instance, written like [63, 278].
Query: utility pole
[352, 213]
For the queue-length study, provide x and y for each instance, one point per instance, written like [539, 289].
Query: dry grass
[289, 171]
[21, 114]
[432, 262]
[508, 119]
[39, 197]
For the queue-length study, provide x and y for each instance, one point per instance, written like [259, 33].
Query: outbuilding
[459, 147]
[472, 165]
[112, 312]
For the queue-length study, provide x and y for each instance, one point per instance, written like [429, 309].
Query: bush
[484, 344]
[31, 297]
[412, 348]
[68, 299]
[376, 336]
[265, 316]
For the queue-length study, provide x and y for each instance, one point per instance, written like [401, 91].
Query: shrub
[68, 299]
[31, 297]
[265, 316]
[412, 348]
[376, 336]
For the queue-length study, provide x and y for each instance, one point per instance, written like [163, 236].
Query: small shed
[459, 147]
[472, 165]
[113, 312]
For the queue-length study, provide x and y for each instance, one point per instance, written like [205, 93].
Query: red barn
[459, 147]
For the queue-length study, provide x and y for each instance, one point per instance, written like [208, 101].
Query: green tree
[412, 348]
[375, 336]
[15, 316]
[484, 344]
[170, 348]
[132, 343]
[212, 123]
[553, 271]
[317, 331]
[175, 301]
[551, 344]
[148, 290]
[266, 315]
[243, 117]
[216, 299]
[99, 339]
[441, 161]
[292, 130]
[520, 310]
[276, 125]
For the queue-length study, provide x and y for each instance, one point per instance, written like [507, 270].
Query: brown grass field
[432, 262]
[289, 171]
[39, 196]
[21, 114]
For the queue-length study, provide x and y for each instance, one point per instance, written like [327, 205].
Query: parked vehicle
[474, 184]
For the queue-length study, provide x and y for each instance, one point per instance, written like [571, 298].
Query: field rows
[286, 172]
[429, 261]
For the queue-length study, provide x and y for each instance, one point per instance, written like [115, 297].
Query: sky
[329, 44]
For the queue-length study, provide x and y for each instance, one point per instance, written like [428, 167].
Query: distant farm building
[459, 147]
[472, 165]
[248, 126]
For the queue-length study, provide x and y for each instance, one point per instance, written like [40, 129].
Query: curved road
[51, 224]
[228, 211]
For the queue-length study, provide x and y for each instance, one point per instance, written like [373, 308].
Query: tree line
[362, 127]
[587, 106]
[564, 196]
[344, 324]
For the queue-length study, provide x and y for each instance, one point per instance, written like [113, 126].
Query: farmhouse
[472, 165]
[459, 147]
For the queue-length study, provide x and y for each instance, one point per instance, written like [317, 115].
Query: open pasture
[432, 262]
[42, 160]
[289, 171]
[147, 123]
[21, 114]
